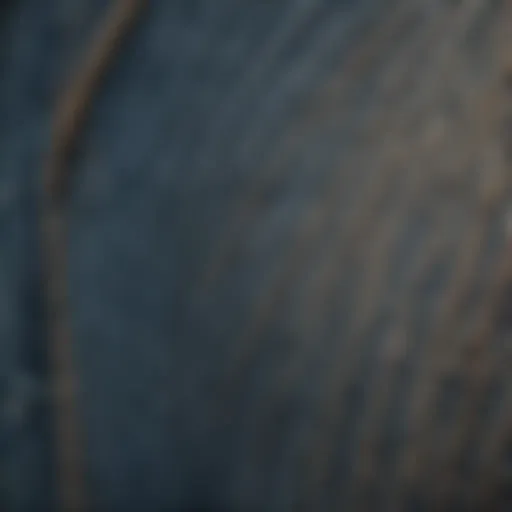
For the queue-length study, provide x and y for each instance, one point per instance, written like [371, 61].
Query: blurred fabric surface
[289, 233]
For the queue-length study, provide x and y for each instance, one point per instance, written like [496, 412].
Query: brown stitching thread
[70, 115]
[72, 108]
